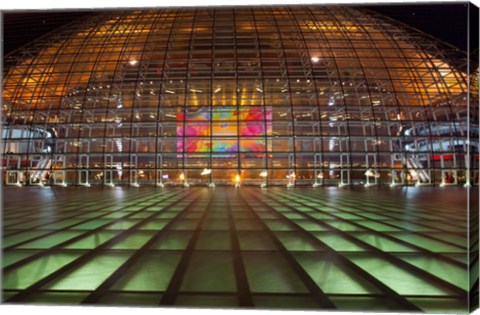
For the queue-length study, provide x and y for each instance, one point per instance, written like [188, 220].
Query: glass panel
[51, 240]
[213, 240]
[270, 273]
[134, 240]
[398, 279]
[91, 274]
[152, 272]
[93, 241]
[26, 275]
[210, 272]
[327, 272]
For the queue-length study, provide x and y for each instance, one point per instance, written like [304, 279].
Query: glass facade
[300, 95]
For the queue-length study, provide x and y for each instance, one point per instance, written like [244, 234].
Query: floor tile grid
[316, 292]
[384, 212]
[96, 295]
[171, 293]
[212, 293]
[88, 255]
[455, 241]
[434, 211]
[431, 214]
[243, 289]
[23, 212]
[263, 298]
[219, 220]
[419, 273]
[65, 228]
[15, 237]
[75, 213]
[397, 301]
[423, 251]
[73, 206]
[458, 278]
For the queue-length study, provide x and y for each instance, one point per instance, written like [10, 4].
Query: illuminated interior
[300, 95]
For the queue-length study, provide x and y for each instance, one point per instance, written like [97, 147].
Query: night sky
[447, 22]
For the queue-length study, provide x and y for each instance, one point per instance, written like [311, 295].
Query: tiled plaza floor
[302, 248]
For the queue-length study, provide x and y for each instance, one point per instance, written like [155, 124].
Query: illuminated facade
[263, 96]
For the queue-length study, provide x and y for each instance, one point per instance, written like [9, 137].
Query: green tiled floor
[349, 249]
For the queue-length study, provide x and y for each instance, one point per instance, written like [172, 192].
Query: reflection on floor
[349, 249]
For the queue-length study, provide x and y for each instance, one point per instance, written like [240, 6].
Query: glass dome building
[300, 95]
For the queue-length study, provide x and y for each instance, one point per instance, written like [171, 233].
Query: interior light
[182, 176]
[217, 90]
[315, 59]
[133, 62]
[331, 101]
[263, 174]
[206, 171]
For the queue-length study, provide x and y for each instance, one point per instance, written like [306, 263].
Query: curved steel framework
[266, 96]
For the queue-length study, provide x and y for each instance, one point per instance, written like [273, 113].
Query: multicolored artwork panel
[221, 127]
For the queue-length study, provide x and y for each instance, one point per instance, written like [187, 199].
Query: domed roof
[346, 53]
